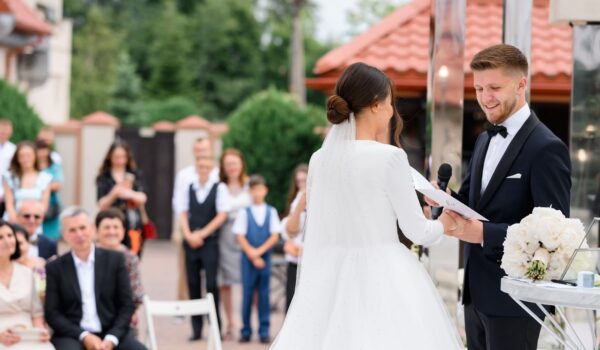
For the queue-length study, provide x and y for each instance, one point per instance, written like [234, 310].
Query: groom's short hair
[500, 56]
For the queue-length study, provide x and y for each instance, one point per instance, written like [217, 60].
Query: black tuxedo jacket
[114, 303]
[46, 247]
[544, 165]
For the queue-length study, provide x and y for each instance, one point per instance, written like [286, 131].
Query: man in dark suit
[30, 215]
[518, 164]
[88, 295]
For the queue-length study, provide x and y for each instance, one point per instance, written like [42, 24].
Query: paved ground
[159, 274]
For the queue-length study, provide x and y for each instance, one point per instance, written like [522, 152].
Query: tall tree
[126, 93]
[96, 49]
[297, 85]
[169, 57]
[226, 55]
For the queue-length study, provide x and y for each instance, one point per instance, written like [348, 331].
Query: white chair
[194, 307]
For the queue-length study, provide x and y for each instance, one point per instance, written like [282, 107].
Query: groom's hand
[430, 201]
[468, 230]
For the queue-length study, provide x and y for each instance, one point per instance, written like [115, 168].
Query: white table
[561, 297]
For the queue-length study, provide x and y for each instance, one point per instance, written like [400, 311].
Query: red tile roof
[26, 19]
[399, 45]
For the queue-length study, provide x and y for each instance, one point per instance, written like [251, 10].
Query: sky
[331, 23]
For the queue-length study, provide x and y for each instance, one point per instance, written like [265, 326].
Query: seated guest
[110, 230]
[35, 263]
[88, 294]
[21, 317]
[30, 215]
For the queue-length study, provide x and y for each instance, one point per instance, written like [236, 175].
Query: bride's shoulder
[387, 152]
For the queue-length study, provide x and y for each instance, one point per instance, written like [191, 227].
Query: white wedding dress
[358, 287]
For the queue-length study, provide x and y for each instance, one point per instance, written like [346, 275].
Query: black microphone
[444, 174]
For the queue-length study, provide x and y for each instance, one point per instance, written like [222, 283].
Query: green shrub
[275, 135]
[14, 106]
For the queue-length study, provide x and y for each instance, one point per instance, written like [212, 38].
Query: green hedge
[14, 106]
[275, 135]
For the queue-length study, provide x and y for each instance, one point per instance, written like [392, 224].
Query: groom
[518, 164]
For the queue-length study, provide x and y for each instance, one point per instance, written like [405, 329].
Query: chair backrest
[193, 307]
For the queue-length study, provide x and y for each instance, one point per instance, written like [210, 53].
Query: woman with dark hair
[24, 180]
[110, 230]
[21, 314]
[358, 286]
[119, 186]
[293, 228]
[51, 226]
[233, 174]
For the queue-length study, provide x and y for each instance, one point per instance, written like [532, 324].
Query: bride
[358, 286]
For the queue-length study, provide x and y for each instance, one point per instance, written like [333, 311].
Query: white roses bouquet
[540, 246]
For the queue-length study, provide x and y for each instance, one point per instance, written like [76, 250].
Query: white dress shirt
[259, 212]
[7, 151]
[183, 179]
[34, 250]
[499, 144]
[90, 321]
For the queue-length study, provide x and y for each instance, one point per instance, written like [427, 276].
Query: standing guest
[202, 215]
[293, 229]
[7, 151]
[21, 310]
[31, 216]
[516, 143]
[51, 226]
[110, 230]
[24, 180]
[46, 134]
[119, 186]
[202, 147]
[95, 314]
[257, 230]
[233, 174]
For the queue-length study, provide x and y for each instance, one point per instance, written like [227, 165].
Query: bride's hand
[449, 223]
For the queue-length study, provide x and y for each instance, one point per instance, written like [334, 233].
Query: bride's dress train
[358, 286]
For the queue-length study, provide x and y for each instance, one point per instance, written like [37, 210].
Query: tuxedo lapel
[71, 274]
[507, 160]
[478, 170]
[98, 274]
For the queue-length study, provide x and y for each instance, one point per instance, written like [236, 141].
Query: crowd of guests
[68, 302]
[229, 233]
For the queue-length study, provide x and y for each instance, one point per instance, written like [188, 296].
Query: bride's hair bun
[338, 110]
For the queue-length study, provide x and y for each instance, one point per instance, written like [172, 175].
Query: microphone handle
[436, 212]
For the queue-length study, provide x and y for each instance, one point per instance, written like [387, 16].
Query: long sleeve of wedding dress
[403, 198]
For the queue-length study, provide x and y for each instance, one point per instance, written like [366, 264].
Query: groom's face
[500, 92]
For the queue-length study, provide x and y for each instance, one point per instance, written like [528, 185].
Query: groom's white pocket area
[515, 176]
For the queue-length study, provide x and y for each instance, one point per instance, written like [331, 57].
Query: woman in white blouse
[293, 228]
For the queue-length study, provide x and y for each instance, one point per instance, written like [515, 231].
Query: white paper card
[444, 199]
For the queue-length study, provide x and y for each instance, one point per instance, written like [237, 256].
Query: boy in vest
[257, 230]
[200, 220]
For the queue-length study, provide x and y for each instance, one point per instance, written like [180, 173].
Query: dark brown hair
[500, 56]
[106, 163]
[360, 86]
[17, 253]
[110, 213]
[42, 144]
[15, 166]
[301, 168]
[256, 180]
[232, 152]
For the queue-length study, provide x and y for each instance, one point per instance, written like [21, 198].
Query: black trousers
[290, 284]
[127, 343]
[204, 258]
[500, 333]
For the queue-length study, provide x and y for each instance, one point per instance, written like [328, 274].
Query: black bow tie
[494, 130]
